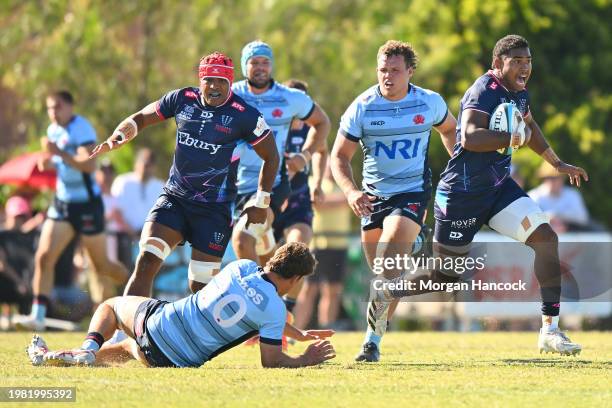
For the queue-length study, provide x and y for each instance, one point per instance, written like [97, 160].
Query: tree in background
[117, 55]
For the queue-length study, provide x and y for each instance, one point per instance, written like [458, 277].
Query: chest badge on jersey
[277, 113]
[418, 119]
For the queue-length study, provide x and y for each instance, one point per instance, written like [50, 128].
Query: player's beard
[260, 85]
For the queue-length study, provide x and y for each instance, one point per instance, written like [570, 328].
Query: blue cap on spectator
[255, 49]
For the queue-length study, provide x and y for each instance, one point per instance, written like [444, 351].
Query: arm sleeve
[482, 99]
[305, 105]
[167, 105]
[256, 128]
[271, 332]
[439, 108]
[351, 122]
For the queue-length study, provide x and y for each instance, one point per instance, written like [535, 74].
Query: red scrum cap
[216, 65]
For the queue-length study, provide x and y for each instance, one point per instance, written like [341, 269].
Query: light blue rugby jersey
[394, 136]
[279, 105]
[72, 184]
[237, 303]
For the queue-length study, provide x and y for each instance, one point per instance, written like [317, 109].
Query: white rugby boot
[28, 323]
[70, 357]
[555, 341]
[36, 350]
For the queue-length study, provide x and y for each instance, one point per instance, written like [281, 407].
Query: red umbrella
[23, 171]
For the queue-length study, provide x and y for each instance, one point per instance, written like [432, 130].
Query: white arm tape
[262, 199]
[254, 230]
[203, 272]
[147, 246]
[127, 129]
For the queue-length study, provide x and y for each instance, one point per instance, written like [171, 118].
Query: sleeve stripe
[443, 119]
[348, 136]
[478, 110]
[259, 139]
[309, 112]
[274, 342]
[161, 116]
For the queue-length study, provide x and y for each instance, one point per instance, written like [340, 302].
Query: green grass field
[418, 369]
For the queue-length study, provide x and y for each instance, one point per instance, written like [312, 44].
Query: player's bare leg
[299, 232]
[396, 238]
[148, 263]
[547, 267]
[54, 238]
[329, 305]
[96, 250]
[305, 303]
[113, 314]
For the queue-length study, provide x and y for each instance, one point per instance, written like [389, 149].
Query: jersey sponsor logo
[418, 119]
[297, 140]
[261, 126]
[186, 113]
[493, 85]
[252, 293]
[186, 140]
[223, 129]
[206, 115]
[455, 235]
[405, 147]
[215, 246]
[377, 122]
[462, 224]
[277, 113]
[238, 106]
[191, 94]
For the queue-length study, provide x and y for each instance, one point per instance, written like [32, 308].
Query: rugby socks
[93, 341]
[39, 307]
[289, 303]
[372, 337]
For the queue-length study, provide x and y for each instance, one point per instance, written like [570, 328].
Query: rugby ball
[507, 118]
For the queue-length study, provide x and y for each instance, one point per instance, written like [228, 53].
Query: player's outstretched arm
[306, 335]
[342, 153]
[447, 131]
[476, 136]
[315, 140]
[129, 128]
[538, 144]
[272, 356]
[319, 164]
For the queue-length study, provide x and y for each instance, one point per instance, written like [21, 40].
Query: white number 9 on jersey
[235, 318]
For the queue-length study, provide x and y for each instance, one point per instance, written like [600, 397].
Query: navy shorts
[460, 215]
[154, 356]
[297, 211]
[86, 218]
[279, 194]
[410, 205]
[207, 226]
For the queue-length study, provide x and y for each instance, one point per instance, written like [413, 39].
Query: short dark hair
[393, 47]
[63, 95]
[292, 259]
[297, 84]
[504, 45]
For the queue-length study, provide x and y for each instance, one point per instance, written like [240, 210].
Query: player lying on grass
[242, 300]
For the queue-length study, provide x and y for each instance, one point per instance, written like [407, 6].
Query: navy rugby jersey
[479, 171]
[205, 164]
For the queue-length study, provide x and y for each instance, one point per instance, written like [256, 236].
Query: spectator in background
[136, 192]
[331, 226]
[18, 215]
[564, 204]
[77, 208]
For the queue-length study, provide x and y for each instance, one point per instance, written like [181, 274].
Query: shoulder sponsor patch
[238, 106]
[262, 126]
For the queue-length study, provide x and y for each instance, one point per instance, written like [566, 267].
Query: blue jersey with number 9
[238, 303]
